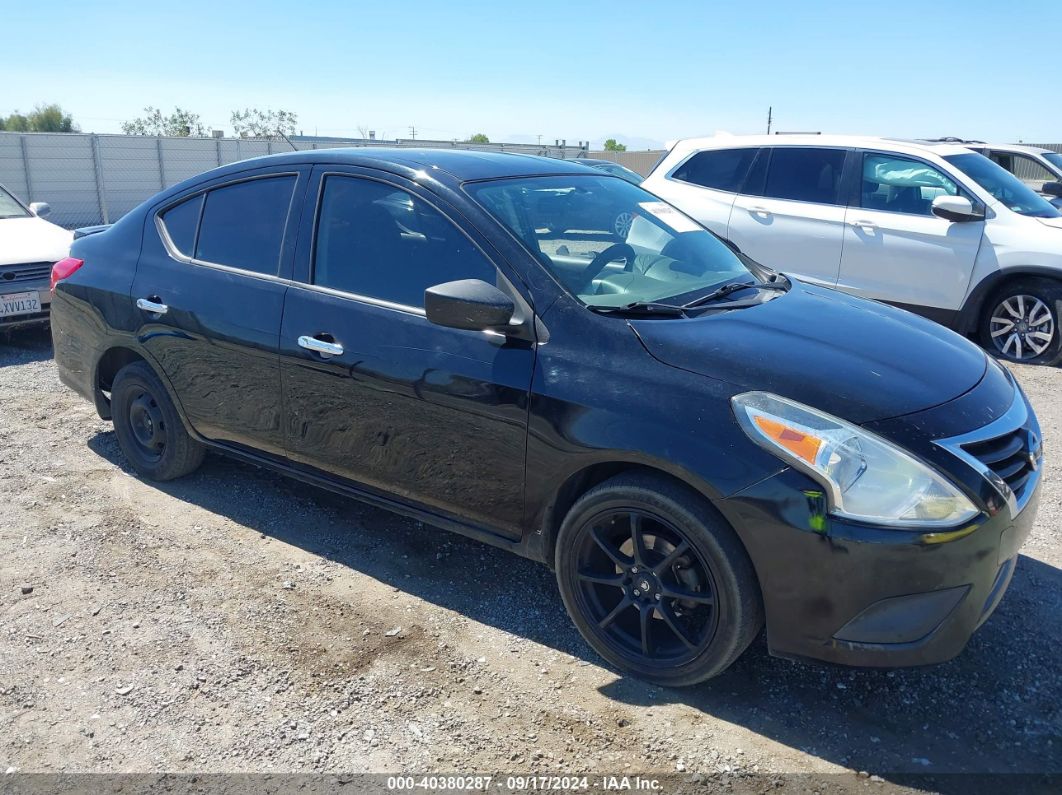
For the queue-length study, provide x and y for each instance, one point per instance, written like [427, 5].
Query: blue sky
[643, 72]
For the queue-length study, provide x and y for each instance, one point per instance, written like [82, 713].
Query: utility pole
[540, 140]
[413, 132]
[769, 111]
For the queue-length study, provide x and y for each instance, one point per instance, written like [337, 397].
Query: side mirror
[1052, 188]
[468, 304]
[955, 208]
[40, 209]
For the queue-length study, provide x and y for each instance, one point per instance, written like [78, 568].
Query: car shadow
[997, 708]
[25, 345]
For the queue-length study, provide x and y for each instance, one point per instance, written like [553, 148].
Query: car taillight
[64, 268]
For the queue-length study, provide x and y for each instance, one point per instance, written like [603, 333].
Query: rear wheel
[656, 581]
[1020, 322]
[149, 430]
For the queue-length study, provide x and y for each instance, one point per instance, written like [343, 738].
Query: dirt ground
[238, 621]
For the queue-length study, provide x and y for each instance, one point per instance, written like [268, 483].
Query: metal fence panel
[63, 171]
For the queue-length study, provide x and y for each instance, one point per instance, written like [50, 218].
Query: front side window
[1055, 159]
[243, 224]
[805, 174]
[721, 169]
[1006, 188]
[182, 222]
[1023, 167]
[608, 242]
[379, 241]
[10, 207]
[902, 184]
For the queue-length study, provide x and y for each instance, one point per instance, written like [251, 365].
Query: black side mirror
[1052, 188]
[468, 304]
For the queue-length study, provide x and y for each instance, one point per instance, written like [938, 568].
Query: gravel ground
[238, 621]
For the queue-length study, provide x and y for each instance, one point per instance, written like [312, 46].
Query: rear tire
[674, 609]
[149, 430]
[1020, 322]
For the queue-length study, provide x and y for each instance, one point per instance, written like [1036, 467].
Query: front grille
[1012, 456]
[24, 272]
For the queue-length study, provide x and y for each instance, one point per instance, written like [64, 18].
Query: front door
[790, 215]
[376, 394]
[895, 249]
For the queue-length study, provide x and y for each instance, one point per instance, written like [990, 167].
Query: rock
[369, 735]
[60, 621]
[124, 690]
[393, 632]
[288, 585]
[680, 766]
[863, 774]
[477, 690]
[96, 611]
[623, 722]
[877, 779]
[26, 589]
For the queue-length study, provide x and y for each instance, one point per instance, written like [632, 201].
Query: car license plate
[19, 304]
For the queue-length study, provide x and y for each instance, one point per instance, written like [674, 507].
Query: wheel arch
[973, 307]
[110, 363]
[582, 480]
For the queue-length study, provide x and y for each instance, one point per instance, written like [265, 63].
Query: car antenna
[293, 147]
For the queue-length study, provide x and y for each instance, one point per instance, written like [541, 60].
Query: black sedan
[696, 443]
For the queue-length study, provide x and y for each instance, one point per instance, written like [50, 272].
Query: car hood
[32, 240]
[856, 359]
[1052, 222]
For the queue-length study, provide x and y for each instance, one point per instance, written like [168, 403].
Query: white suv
[934, 228]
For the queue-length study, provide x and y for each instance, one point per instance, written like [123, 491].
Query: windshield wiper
[733, 287]
[646, 308]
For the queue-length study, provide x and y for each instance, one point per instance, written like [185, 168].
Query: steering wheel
[611, 254]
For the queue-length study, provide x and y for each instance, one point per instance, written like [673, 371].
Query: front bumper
[872, 596]
[39, 286]
[867, 596]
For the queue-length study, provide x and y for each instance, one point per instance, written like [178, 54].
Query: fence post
[101, 192]
[218, 142]
[162, 168]
[26, 168]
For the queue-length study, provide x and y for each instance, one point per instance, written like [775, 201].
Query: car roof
[461, 164]
[811, 139]
[1020, 148]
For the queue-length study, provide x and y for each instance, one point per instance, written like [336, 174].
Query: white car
[29, 246]
[934, 228]
[1040, 169]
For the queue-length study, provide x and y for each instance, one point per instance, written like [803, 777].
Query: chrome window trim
[361, 299]
[1013, 419]
[175, 253]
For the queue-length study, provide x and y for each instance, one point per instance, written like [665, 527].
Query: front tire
[149, 430]
[656, 581]
[1021, 322]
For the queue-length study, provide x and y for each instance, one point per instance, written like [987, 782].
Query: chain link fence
[95, 179]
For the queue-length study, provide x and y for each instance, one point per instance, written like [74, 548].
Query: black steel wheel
[656, 581]
[149, 430]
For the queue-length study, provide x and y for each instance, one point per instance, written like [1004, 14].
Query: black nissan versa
[696, 443]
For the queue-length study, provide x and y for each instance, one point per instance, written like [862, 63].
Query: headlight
[867, 478]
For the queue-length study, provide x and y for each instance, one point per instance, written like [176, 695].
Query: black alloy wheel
[656, 580]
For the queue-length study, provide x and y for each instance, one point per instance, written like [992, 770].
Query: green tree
[181, 123]
[43, 118]
[255, 123]
[478, 138]
[611, 145]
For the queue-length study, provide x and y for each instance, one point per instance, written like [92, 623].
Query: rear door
[704, 185]
[790, 215]
[895, 249]
[209, 289]
[376, 394]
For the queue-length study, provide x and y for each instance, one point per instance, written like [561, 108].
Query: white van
[934, 228]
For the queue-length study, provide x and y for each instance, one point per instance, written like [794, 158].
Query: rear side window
[243, 224]
[721, 169]
[379, 241]
[181, 222]
[805, 174]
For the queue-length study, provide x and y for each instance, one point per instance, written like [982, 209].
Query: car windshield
[616, 170]
[10, 206]
[1054, 158]
[609, 242]
[1004, 186]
